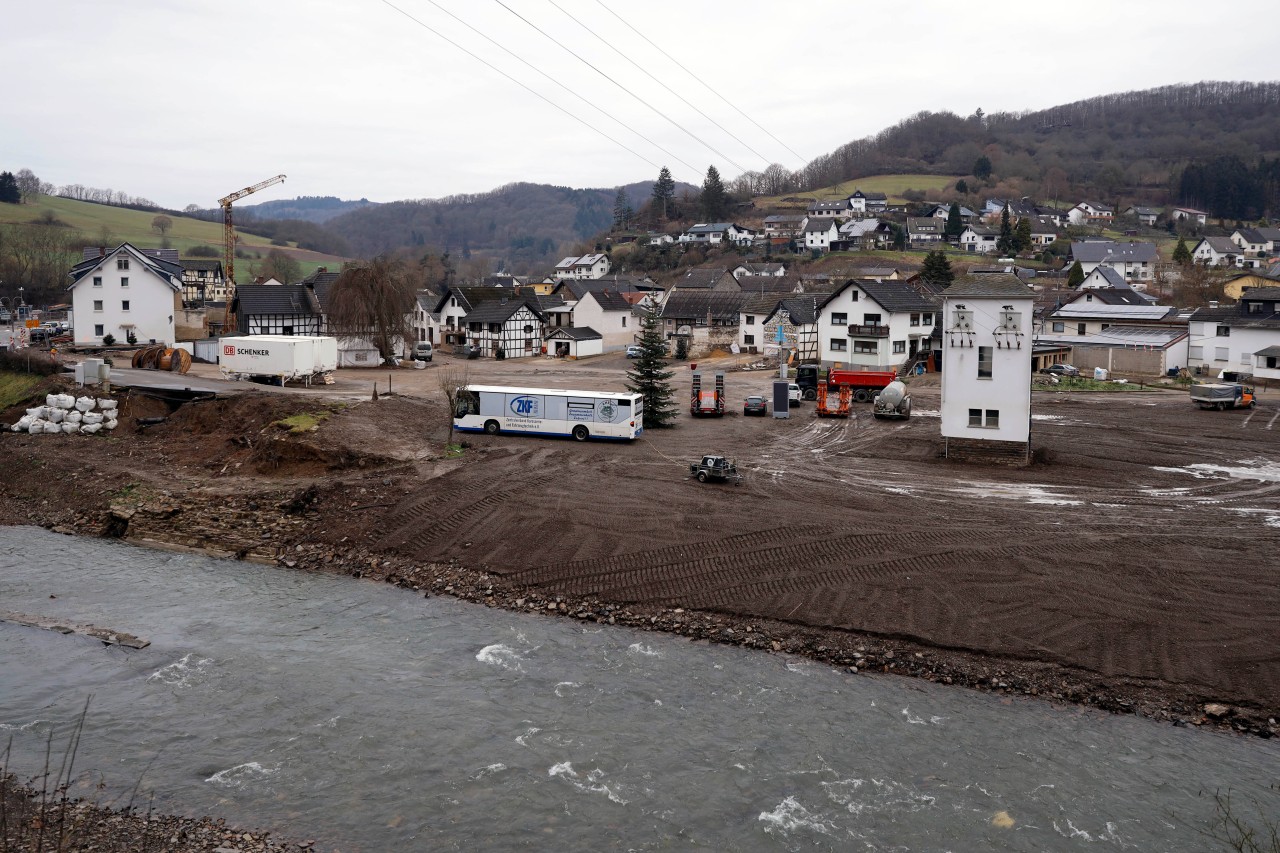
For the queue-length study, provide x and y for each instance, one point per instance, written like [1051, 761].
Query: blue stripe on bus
[555, 434]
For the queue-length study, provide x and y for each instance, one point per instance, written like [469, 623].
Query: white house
[587, 266]
[1091, 213]
[512, 325]
[426, 317]
[1256, 243]
[750, 269]
[1146, 215]
[1190, 214]
[839, 209]
[986, 374]
[573, 342]
[608, 314]
[1044, 230]
[925, 230]
[1239, 338]
[819, 234]
[1218, 252]
[1135, 261]
[860, 202]
[875, 324]
[661, 239]
[980, 239]
[124, 292]
[717, 232]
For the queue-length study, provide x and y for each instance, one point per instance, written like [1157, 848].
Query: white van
[422, 351]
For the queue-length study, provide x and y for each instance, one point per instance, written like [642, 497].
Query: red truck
[863, 383]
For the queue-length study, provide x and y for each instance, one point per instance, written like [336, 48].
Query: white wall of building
[617, 328]
[967, 383]
[1214, 352]
[842, 336]
[111, 300]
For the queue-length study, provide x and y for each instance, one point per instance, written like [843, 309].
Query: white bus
[544, 411]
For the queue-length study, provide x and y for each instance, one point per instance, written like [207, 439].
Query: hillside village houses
[1145, 215]
[1240, 338]
[1091, 213]
[587, 266]
[1190, 214]
[718, 232]
[924, 231]
[1257, 244]
[820, 233]
[1218, 252]
[1133, 260]
[979, 238]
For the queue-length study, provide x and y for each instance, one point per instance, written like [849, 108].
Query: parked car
[635, 351]
[793, 395]
[755, 405]
[422, 351]
[1062, 370]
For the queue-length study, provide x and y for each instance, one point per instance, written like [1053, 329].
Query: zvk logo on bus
[525, 407]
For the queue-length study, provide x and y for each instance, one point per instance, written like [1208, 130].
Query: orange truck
[1223, 396]
[863, 384]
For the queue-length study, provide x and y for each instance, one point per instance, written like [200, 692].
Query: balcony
[876, 331]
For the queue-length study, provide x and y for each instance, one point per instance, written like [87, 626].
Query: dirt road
[1141, 558]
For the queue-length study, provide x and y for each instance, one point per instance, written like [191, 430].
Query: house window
[1081, 329]
[124, 304]
[1059, 327]
[749, 340]
[866, 346]
[495, 328]
[624, 322]
[97, 305]
[1254, 307]
[122, 263]
[528, 329]
[839, 319]
[926, 319]
[97, 281]
[988, 419]
[97, 330]
[853, 296]
[1224, 331]
[915, 319]
[475, 327]
[871, 319]
[124, 281]
[839, 345]
[1195, 352]
[1221, 354]
[899, 347]
[985, 355]
[286, 330]
[751, 320]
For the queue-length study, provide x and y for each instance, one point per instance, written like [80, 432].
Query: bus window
[467, 403]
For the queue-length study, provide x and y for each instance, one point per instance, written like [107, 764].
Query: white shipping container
[282, 357]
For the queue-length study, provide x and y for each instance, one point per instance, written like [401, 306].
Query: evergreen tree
[1005, 242]
[982, 168]
[649, 376]
[1022, 235]
[1075, 275]
[9, 192]
[962, 186]
[622, 212]
[937, 269]
[714, 202]
[898, 237]
[954, 224]
[664, 191]
[1181, 254]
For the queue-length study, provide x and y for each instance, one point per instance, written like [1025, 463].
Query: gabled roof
[803, 310]
[925, 224]
[1124, 336]
[1101, 208]
[501, 310]
[896, 297]
[576, 333]
[819, 226]
[201, 265]
[608, 300]
[768, 283]
[1099, 251]
[1220, 245]
[783, 218]
[702, 278]
[982, 231]
[1111, 276]
[170, 272]
[321, 282]
[763, 269]
[1139, 210]
[279, 299]
[576, 288]
[842, 204]
[992, 286]
[1043, 225]
[858, 227]
[693, 305]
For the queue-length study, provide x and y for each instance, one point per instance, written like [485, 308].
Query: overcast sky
[184, 101]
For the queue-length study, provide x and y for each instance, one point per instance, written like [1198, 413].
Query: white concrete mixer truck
[892, 402]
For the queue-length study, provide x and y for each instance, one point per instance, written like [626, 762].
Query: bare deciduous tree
[281, 266]
[374, 301]
[28, 185]
[162, 224]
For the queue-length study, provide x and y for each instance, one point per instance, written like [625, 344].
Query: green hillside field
[891, 185]
[134, 226]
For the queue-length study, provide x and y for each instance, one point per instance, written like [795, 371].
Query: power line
[562, 86]
[679, 126]
[660, 83]
[706, 85]
[534, 92]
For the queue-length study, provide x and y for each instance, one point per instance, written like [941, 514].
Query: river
[371, 718]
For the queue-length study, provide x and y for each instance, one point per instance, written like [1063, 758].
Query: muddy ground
[1134, 569]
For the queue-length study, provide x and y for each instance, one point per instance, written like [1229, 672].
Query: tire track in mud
[409, 535]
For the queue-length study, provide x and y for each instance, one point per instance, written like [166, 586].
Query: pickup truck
[1223, 396]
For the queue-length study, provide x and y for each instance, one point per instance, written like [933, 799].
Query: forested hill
[1112, 145]
[523, 223]
[311, 208]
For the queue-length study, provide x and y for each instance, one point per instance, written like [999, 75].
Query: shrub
[108, 340]
[500, 353]
[204, 252]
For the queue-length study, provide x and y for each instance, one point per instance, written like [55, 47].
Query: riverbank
[1105, 612]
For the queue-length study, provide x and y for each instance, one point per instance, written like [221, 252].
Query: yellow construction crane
[229, 241]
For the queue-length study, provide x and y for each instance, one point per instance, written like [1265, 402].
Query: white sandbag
[51, 400]
[72, 417]
[23, 423]
[85, 404]
[39, 412]
[50, 428]
[90, 429]
[37, 427]
[69, 429]
[91, 417]
[109, 424]
[65, 401]
[56, 416]
[107, 405]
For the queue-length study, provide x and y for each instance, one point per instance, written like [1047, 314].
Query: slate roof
[280, 299]
[819, 226]
[1114, 296]
[1097, 251]
[768, 283]
[924, 225]
[321, 282]
[1139, 210]
[610, 301]
[820, 206]
[982, 230]
[201, 265]
[1221, 245]
[577, 333]
[685, 305]
[501, 310]
[869, 196]
[1111, 276]
[896, 297]
[993, 286]
[783, 219]
[702, 278]
[168, 271]
[764, 269]
[1239, 316]
[579, 287]
[803, 310]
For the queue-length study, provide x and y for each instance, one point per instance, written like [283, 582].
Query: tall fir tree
[649, 376]
[937, 269]
[9, 192]
[1022, 235]
[955, 224]
[664, 191]
[1075, 275]
[1005, 242]
[1181, 254]
[714, 202]
[982, 168]
[622, 212]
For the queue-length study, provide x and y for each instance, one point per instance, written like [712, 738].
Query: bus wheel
[492, 427]
[580, 433]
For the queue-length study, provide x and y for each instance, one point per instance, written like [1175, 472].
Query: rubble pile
[64, 414]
